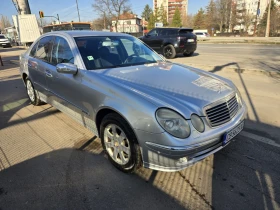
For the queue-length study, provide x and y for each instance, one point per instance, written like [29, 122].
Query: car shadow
[182, 56]
[75, 179]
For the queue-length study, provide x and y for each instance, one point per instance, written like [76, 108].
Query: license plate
[190, 40]
[3, 44]
[232, 133]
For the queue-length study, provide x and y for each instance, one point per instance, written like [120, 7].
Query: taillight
[181, 38]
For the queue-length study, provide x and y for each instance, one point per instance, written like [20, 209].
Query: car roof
[177, 28]
[85, 33]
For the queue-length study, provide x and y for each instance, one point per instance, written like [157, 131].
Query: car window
[153, 32]
[172, 32]
[163, 32]
[2, 37]
[114, 52]
[61, 52]
[44, 48]
[33, 50]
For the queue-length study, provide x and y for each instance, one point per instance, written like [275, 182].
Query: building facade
[170, 6]
[127, 23]
[250, 8]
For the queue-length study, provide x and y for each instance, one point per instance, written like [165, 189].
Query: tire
[188, 54]
[123, 151]
[169, 51]
[32, 93]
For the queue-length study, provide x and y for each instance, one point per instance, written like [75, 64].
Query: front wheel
[169, 51]
[119, 143]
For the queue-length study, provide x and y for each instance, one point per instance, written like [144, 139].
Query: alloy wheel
[168, 52]
[30, 90]
[117, 144]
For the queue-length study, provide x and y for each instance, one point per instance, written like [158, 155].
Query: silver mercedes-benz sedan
[147, 111]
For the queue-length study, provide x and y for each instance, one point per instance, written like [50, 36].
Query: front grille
[223, 112]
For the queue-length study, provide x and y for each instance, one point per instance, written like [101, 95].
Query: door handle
[48, 73]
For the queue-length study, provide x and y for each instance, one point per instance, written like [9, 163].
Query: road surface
[243, 56]
[48, 161]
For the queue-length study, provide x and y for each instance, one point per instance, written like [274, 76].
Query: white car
[4, 41]
[202, 36]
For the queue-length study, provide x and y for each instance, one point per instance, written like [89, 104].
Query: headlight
[173, 123]
[198, 123]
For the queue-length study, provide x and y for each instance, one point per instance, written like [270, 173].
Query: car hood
[184, 89]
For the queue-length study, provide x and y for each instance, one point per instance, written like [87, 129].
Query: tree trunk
[221, 26]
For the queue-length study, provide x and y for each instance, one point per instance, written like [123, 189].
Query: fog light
[183, 160]
[198, 123]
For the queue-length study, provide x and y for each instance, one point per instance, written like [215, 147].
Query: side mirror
[66, 68]
[147, 35]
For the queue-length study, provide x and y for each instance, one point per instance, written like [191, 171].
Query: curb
[239, 42]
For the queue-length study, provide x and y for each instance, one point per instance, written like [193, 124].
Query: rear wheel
[32, 93]
[119, 143]
[188, 54]
[169, 51]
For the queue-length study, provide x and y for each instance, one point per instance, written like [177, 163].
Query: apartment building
[170, 6]
[250, 7]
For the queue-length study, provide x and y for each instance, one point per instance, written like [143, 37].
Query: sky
[67, 8]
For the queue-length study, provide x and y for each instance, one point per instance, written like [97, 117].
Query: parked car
[203, 36]
[4, 41]
[171, 41]
[147, 111]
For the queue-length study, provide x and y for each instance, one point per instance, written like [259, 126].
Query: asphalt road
[48, 161]
[244, 56]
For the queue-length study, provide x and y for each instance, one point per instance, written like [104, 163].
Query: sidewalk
[251, 40]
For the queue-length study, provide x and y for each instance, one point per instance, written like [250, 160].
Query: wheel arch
[24, 77]
[105, 111]
[165, 44]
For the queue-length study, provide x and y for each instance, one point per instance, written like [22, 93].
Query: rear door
[39, 60]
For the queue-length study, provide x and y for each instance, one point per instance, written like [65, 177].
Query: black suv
[171, 41]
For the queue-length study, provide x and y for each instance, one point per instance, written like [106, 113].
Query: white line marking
[259, 138]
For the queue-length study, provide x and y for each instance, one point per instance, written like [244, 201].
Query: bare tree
[5, 22]
[99, 23]
[222, 12]
[247, 20]
[211, 16]
[233, 17]
[111, 8]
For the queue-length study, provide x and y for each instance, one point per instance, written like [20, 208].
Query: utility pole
[256, 20]
[268, 20]
[23, 7]
[78, 10]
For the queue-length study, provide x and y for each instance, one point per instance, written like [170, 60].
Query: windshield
[2, 37]
[114, 51]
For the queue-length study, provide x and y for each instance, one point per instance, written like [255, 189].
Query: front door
[65, 89]
[153, 40]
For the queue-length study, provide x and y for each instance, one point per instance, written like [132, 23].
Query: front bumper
[173, 158]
